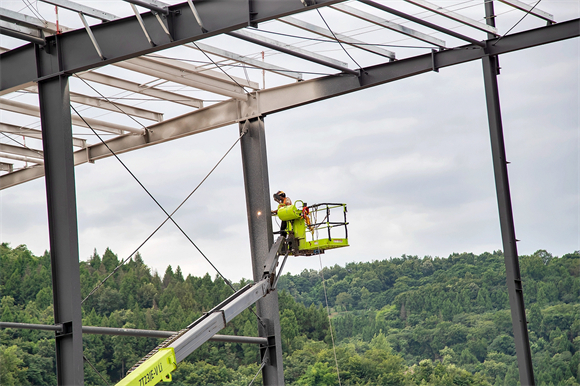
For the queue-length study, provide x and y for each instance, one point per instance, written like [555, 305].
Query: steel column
[255, 166]
[513, 278]
[54, 100]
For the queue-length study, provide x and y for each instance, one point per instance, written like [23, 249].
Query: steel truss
[47, 63]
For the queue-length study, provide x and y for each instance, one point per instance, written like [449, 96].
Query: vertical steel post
[513, 278]
[258, 203]
[62, 225]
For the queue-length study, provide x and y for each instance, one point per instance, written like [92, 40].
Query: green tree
[12, 370]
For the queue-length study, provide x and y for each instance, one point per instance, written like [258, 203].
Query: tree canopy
[408, 320]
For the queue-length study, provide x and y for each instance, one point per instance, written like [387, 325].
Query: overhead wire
[211, 60]
[320, 40]
[519, 21]
[21, 144]
[328, 314]
[339, 42]
[169, 216]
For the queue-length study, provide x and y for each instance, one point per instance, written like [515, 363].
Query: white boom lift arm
[158, 364]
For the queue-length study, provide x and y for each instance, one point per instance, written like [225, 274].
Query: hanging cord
[527, 13]
[339, 42]
[168, 215]
[96, 371]
[328, 314]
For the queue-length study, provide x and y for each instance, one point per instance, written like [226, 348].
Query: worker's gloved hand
[273, 212]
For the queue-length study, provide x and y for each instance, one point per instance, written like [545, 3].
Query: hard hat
[279, 196]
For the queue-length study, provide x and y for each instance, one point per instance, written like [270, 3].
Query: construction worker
[282, 200]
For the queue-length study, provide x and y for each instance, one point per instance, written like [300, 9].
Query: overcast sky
[412, 160]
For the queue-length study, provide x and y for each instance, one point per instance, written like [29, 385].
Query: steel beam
[335, 35]
[291, 50]
[31, 110]
[133, 332]
[6, 167]
[104, 104]
[531, 10]
[123, 39]
[244, 59]
[258, 204]
[27, 21]
[21, 151]
[513, 277]
[183, 73]
[454, 16]
[139, 89]
[16, 31]
[369, 17]
[75, 7]
[34, 161]
[33, 133]
[422, 22]
[301, 93]
[62, 226]
[506, 218]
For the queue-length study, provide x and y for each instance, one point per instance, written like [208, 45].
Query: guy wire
[167, 214]
[339, 42]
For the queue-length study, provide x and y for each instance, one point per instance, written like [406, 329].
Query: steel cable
[169, 216]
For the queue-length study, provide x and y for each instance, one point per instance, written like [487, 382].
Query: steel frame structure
[47, 63]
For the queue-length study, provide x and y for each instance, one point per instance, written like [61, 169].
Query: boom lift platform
[302, 225]
[305, 223]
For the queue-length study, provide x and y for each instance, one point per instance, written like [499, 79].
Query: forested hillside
[407, 320]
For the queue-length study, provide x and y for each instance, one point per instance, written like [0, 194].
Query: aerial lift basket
[310, 228]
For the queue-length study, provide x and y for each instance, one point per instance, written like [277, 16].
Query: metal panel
[302, 93]
[258, 204]
[62, 226]
[123, 38]
[342, 38]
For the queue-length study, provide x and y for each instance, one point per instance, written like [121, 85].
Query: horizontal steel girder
[133, 332]
[34, 133]
[123, 39]
[34, 111]
[104, 104]
[297, 94]
[403, 29]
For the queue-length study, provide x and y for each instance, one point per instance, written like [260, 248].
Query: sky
[411, 159]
